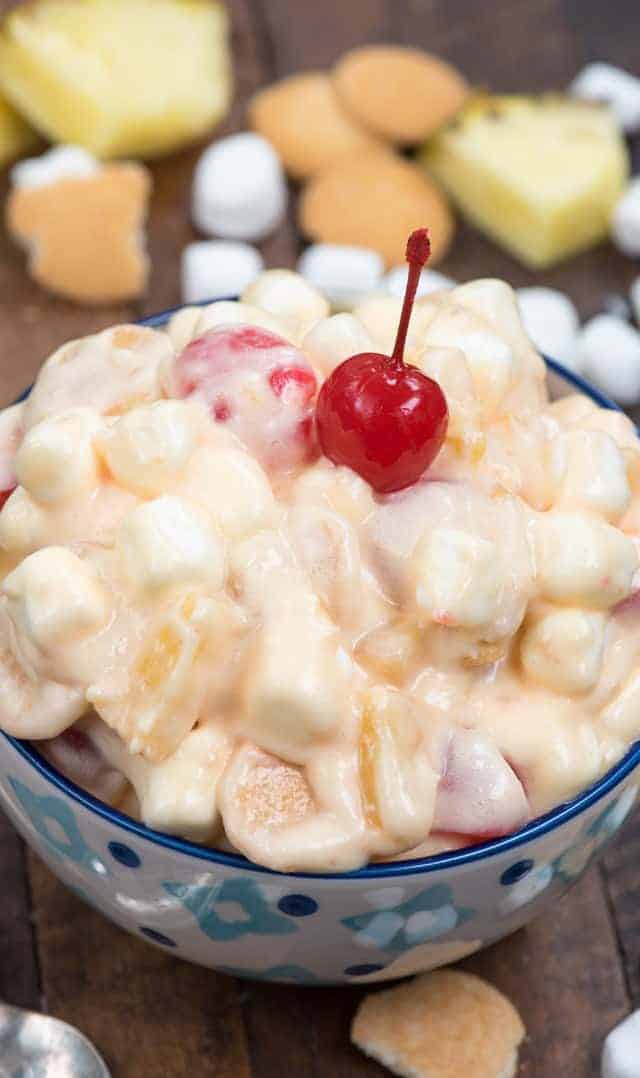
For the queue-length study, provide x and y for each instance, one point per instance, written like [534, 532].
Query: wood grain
[19, 975]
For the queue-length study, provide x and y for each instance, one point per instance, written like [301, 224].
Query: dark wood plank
[19, 976]
[622, 881]
[148, 1013]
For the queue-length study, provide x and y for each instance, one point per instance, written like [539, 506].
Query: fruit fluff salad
[212, 626]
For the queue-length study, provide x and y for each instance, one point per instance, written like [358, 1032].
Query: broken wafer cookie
[82, 226]
[445, 1024]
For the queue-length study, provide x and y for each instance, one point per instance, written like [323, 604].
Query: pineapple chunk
[539, 175]
[119, 77]
[16, 137]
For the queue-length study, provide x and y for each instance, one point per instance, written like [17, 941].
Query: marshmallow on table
[614, 87]
[57, 164]
[608, 352]
[551, 321]
[344, 274]
[395, 282]
[218, 269]
[634, 295]
[621, 1052]
[239, 190]
[625, 222]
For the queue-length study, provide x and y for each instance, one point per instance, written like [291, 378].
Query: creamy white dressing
[280, 659]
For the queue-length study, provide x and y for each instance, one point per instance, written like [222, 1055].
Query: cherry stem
[418, 251]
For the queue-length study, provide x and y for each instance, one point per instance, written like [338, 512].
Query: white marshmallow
[563, 650]
[182, 327]
[458, 578]
[295, 690]
[634, 295]
[180, 795]
[148, 447]
[395, 282]
[595, 474]
[380, 316]
[59, 163]
[23, 524]
[335, 339]
[225, 312]
[609, 354]
[55, 597]
[232, 487]
[490, 358]
[239, 190]
[625, 220]
[581, 560]
[551, 321]
[613, 86]
[168, 541]
[218, 269]
[57, 457]
[343, 274]
[621, 1050]
[288, 296]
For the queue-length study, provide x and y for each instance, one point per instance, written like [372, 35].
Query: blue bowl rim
[537, 828]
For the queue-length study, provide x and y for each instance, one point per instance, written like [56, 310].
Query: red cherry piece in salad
[258, 385]
[380, 416]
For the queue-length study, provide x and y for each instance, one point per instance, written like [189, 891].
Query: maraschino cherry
[379, 416]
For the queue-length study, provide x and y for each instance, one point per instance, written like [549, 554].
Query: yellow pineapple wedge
[121, 77]
[16, 137]
[540, 175]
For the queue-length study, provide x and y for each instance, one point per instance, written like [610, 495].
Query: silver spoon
[36, 1046]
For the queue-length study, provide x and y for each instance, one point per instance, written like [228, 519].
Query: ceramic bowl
[381, 922]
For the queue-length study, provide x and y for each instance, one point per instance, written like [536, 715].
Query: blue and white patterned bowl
[382, 922]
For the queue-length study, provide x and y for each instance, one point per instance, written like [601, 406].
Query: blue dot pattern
[516, 872]
[157, 937]
[297, 905]
[363, 970]
[124, 855]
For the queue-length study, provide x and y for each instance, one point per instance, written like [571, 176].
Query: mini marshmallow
[563, 650]
[621, 1050]
[334, 339]
[551, 321]
[225, 312]
[56, 164]
[295, 688]
[148, 447]
[582, 560]
[489, 357]
[617, 306]
[232, 487]
[180, 794]
[168, 541]
[289, 297]
[343, 274]
[239, 190]
[613, 86]
[634, 296]
[23, 524]
[55, 597]
[595, 474]
[458, 578]
[609, 354]
[395, 282]
[380, 316]
[216, 269]
[182, 327]
[57, 457]
[625, 220]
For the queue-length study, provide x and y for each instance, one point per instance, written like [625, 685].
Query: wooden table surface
[574, 973]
